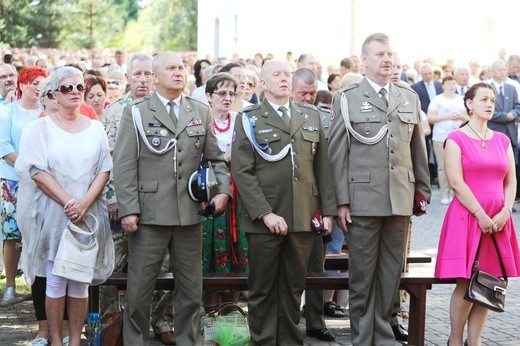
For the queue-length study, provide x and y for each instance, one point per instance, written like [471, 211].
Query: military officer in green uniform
[304, 91]
[161, 141]
[281, 169]
[378, 158]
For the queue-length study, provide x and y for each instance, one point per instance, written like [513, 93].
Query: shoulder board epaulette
[323, 109]
[191, 99]
[348, 87]
[305, 105]
[141, 100]
[404, 86]
[138, 101]
[250, 108]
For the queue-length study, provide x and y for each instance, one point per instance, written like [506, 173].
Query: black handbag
[485, 289]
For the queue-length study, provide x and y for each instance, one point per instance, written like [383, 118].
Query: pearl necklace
[483, 143]
[222, 129]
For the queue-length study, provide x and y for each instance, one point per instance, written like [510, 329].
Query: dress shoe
[9, 295]
[400, 333]
[167, 338]
[322, 334]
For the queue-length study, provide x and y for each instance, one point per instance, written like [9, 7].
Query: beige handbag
[75, 259]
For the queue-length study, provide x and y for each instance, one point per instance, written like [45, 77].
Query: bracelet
[67, 204]
[508, 209]
[476, 210]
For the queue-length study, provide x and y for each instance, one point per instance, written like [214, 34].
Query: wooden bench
[340, 261]
[416, 284]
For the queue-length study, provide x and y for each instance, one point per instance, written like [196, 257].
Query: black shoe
[321, 334]
[400, 333]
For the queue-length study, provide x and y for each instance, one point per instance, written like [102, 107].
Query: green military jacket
[293, 187]
[146, 183]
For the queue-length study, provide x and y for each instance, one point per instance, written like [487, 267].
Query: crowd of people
[200, 166]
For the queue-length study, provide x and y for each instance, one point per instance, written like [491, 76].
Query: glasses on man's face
[222, 94]
[113, 82]
[67, 88]
[251, 85]
[9, 75]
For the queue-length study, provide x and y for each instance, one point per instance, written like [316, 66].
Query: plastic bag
[229, 329]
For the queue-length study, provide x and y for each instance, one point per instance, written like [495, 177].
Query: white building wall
[418, 29]
[274, 26]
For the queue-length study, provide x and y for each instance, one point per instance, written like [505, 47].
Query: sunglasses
[50, 95]
[67, 88]
[223, 94]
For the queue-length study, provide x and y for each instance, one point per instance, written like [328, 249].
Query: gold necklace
[483, 143]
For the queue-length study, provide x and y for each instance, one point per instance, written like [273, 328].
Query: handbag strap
[222, 306]
[76, 229]
[477, 255]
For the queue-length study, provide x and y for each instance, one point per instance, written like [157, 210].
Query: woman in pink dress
[480, 167]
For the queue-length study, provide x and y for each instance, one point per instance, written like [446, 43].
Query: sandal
[332, 309]
[40, 341]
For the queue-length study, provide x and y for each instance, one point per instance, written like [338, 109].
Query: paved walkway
[501, 329]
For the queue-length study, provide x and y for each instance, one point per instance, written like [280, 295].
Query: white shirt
[275, 106]
[378, 88]
[166, 102]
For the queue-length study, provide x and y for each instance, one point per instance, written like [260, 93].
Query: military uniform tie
[172, 113]
[285, 116]
[382, 93]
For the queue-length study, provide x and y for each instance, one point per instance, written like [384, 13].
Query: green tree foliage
[12, 15]
[91, 23]
[131, 8]
[163, 25]
[158, 25]
[44, 24]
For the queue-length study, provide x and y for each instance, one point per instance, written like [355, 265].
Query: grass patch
[21, 286]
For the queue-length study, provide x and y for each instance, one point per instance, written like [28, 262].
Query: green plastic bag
[231, 329]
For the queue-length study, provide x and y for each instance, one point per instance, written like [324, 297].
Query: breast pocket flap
[148, 186]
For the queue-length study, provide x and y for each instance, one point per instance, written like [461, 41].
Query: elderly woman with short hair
[63, 166]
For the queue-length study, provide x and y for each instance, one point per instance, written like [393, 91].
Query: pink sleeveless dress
[484, 170]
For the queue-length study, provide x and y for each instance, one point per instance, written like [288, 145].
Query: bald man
[282, 173]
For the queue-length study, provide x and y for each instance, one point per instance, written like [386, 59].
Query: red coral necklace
[223, 129]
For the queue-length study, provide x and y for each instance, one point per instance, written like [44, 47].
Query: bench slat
[340, 261]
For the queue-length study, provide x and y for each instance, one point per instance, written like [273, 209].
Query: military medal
[367, 130]
[197, 144]
[163, 132]
[156, 141]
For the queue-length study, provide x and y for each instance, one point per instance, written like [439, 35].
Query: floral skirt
[9, 190]
[220, 253]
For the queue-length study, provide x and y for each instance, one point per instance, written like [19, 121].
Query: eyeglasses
[222, 94]
[252, 85]
[50, 95]
[5, 76]
[115, 82]
[67, 88]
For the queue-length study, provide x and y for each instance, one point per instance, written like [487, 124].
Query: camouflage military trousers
[110, 302]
